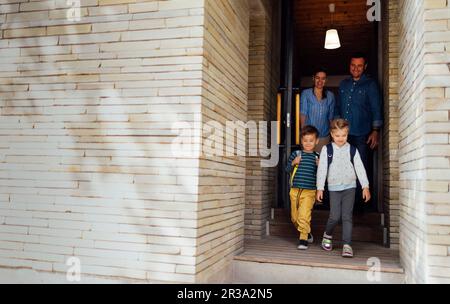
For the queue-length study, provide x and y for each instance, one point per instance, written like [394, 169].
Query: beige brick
[432, 4]
[89, 38]
[436, 116]
[437, 14]
[437, 69]
[185, 21]
[437, 36]
[143, 7]
[69, 29]
[436, 25]
[110, 26]
[26, 32]
[113, 2]
[107, 10]
[180, 4]
[37, 6]
[147, 24]
[62, 13]
[10, 8]
[434, 93]
[23, 17]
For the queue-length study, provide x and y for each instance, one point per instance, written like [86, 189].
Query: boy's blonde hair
[339, 124]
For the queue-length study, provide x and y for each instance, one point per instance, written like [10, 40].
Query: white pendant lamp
[332, 41]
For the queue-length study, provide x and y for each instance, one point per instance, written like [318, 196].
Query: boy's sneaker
[347, 251]
[303, 245]
[327, 243]
[310, 238]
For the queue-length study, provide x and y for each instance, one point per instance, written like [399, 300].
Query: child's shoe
[303, 245]
[310, 238]
[347, 251]
[327, 243]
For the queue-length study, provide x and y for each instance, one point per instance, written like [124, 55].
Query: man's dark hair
[310, 130]
[360, 55]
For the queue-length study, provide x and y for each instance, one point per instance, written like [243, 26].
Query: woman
[317, 107]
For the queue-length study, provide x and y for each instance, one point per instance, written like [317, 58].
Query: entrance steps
[276, 260]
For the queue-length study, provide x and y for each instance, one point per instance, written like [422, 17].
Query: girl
[340, 164]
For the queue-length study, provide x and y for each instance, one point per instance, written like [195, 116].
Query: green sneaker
[327, 243]
[347, 251]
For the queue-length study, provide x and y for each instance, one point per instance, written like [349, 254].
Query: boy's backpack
[330, 152]
[294, 171]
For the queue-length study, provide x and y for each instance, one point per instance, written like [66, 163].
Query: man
[359, 102]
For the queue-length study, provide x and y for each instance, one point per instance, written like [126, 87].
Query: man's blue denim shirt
[359, 102]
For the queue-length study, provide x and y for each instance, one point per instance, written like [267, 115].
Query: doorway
[304, 24]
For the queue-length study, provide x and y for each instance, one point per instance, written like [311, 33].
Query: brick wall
[260, 181]
[222, 178]
[87, 109]
[424, 128]
[390, 131]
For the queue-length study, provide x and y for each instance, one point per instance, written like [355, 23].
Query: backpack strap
[294, 171]
[352, 154]
[330, 154]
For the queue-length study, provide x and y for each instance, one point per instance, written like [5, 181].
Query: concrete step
[247, 272]
[276, 260]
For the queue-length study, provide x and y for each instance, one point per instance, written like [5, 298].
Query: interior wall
[221, 200]
[260, 181]
[390, 27]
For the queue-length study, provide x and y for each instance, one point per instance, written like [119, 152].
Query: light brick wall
[437, 138]
[390, 131]
[225, 96]
[260, 186]
[86, 168]
[424, 149]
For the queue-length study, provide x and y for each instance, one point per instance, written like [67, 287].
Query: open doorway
[304, 24]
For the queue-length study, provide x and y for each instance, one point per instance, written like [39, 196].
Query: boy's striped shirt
[306, 175]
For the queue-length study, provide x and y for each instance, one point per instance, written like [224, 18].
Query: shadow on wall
[86, 168]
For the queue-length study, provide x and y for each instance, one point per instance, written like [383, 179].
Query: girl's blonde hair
[339, 124]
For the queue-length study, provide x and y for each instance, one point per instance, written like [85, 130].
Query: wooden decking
[283, 250]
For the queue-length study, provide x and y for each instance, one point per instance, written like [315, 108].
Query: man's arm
[337, 104]
[332, 107]
[377, 115]
[375, 106]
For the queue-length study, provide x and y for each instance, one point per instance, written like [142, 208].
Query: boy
[340, 165]
[303, 165]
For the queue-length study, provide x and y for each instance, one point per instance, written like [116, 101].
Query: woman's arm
[303, 108]
[302, 121]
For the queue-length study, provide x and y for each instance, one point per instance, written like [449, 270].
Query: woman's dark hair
[317, 71]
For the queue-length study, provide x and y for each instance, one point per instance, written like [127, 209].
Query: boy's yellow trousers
[302, 203]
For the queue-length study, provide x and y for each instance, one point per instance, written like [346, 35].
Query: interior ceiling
[313, 19]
